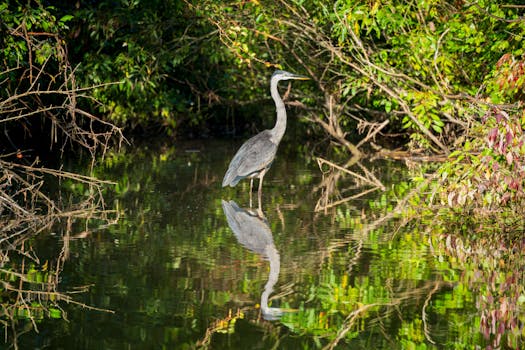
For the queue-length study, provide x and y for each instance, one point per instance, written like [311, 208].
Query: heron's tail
[229, 179]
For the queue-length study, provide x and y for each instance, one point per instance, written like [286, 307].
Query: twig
[371, 134]
[57, 173]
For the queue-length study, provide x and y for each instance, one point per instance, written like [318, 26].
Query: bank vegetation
[433, 78]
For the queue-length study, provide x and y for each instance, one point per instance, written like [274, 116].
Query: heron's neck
[280, 124]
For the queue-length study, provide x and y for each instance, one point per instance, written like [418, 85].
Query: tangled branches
[44, 87]
[41, 100]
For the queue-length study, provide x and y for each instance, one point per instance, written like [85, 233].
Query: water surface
[189, 264]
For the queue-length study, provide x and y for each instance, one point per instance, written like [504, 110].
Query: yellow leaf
[374, 8]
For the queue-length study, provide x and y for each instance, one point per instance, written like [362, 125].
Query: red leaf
[505, 198]
[510, 157]
[508, 137]
[493, 134]
[504, 59]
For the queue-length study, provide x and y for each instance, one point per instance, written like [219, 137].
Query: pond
[190, 265]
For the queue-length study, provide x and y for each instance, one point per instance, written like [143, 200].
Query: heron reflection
[251, 229]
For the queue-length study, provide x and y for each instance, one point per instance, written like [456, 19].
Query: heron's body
[253, 158]
[256, 155]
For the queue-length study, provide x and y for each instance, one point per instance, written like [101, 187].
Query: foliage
[424, 68]
[39, 95]
[40, 92]
[169, 64]
[40, 105]
[488, 171]
[436, 71]
[419, 65]
[507, 81]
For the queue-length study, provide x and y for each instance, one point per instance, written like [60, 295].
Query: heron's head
[284, 75]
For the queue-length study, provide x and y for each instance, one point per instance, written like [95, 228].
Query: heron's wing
[254, 155]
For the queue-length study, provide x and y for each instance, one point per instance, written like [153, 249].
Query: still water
[190, 265]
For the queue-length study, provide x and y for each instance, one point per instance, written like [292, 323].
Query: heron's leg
[259, 192]
[259, 198]
[251, 189]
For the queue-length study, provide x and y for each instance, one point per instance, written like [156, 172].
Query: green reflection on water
[178, 275]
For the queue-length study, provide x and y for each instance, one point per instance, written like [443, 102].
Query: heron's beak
[300, 77]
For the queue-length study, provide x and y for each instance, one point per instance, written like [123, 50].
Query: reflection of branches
[31, 290]
[329, 188]
[349, 323]
[225, 324]
[424, 314]
[488, 259]
[361, 234]
[31, 293]
[29, 208]
[396, 301]
[401, 294]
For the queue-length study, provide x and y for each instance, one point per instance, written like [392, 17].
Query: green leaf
[55, 313]
[388, 106]
[437, 128]
[66, 18]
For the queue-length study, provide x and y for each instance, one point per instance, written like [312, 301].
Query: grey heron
[256, 155]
